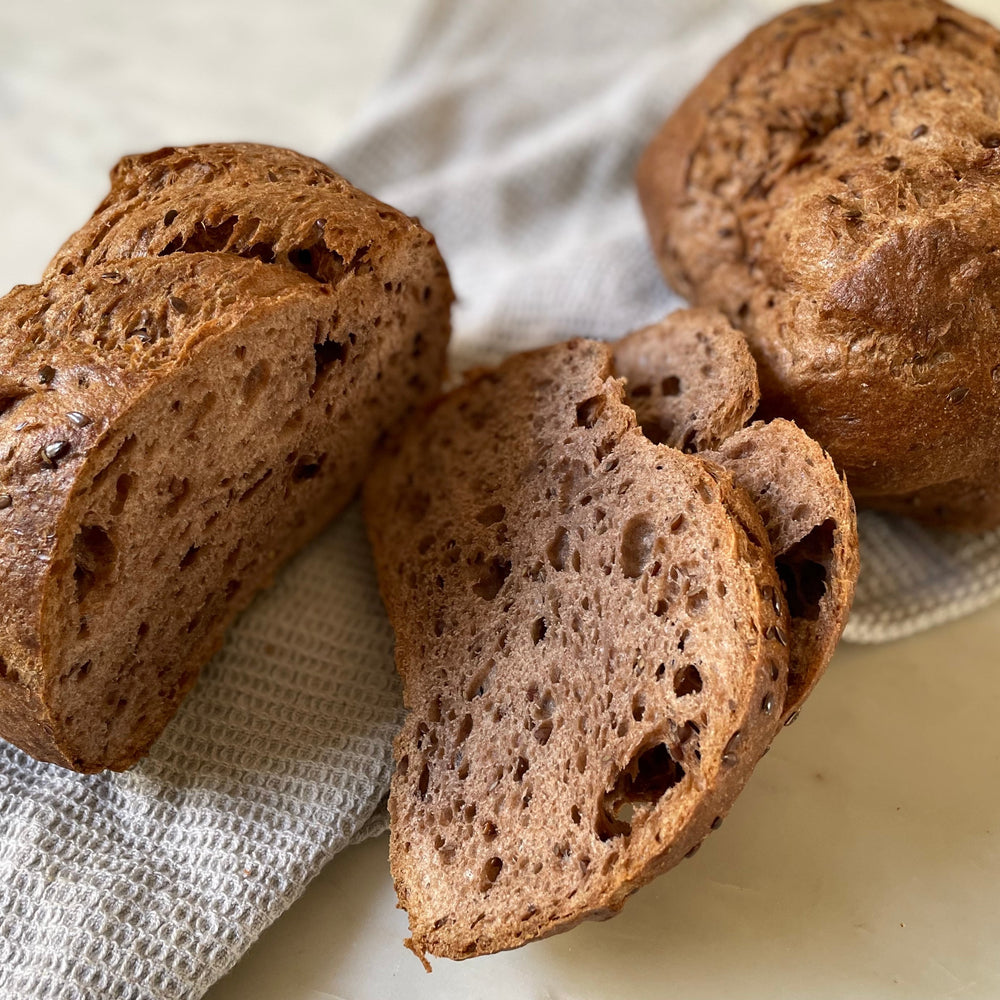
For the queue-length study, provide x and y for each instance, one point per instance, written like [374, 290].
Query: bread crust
[176, 422]
[830, 185]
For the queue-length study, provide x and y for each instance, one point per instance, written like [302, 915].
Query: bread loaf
[693, 383]
[193, 392]
[593, 645]
[831, 186]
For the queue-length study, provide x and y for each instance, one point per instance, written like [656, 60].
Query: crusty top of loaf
[832, 186]
[251, 200]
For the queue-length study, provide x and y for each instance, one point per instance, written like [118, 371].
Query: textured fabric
[512, 130]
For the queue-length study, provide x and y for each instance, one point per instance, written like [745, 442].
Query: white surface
[863, 858]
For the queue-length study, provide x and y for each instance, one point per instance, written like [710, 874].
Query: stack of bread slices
[609, 593]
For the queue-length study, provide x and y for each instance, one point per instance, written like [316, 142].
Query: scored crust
[804, 503]
[175, 425]
[592, 642]
[830, 186]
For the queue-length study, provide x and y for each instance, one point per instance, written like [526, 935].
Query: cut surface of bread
[805, 504]
[831, 186]
[593, 646]
[690, 379]
[811, 524]
[173, 428]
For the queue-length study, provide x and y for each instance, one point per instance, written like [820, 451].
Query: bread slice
[812, 526]
[693, 373]
[174, 426]
[593, 648]
[690, 379]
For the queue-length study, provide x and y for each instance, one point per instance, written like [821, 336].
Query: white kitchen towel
[512, 129]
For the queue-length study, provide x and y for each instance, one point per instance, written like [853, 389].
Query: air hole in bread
[124, 450]
[255, 381]
[481, 681]
[7, 672]
[803, 570]
[190, 556]
[558, 549]
[543, 731]
[588, 412]
[697, 603]
[670, 386]
[659, 431]
[328, 352]
[490, 873]
[538, 629]
[638, 538]
[492, 576]
[94, 557]
[9, 400]
[491, 514]
[122, 490]
[249, 492]
[307, 468]
[205, 238]
[647, 777]
[208, 401]
[520, 768]
[687, 681]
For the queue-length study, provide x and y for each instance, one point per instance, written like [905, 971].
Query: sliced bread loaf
[174, 426]
[804, 503]
[593, 647]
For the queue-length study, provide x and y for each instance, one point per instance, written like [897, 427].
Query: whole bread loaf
[593, 645]
[831, 186]
[693, 383]
[194, 390]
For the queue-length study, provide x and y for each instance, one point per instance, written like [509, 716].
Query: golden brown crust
[830, 185]
[174, 425]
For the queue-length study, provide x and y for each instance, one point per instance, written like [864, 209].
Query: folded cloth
[512, 129]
